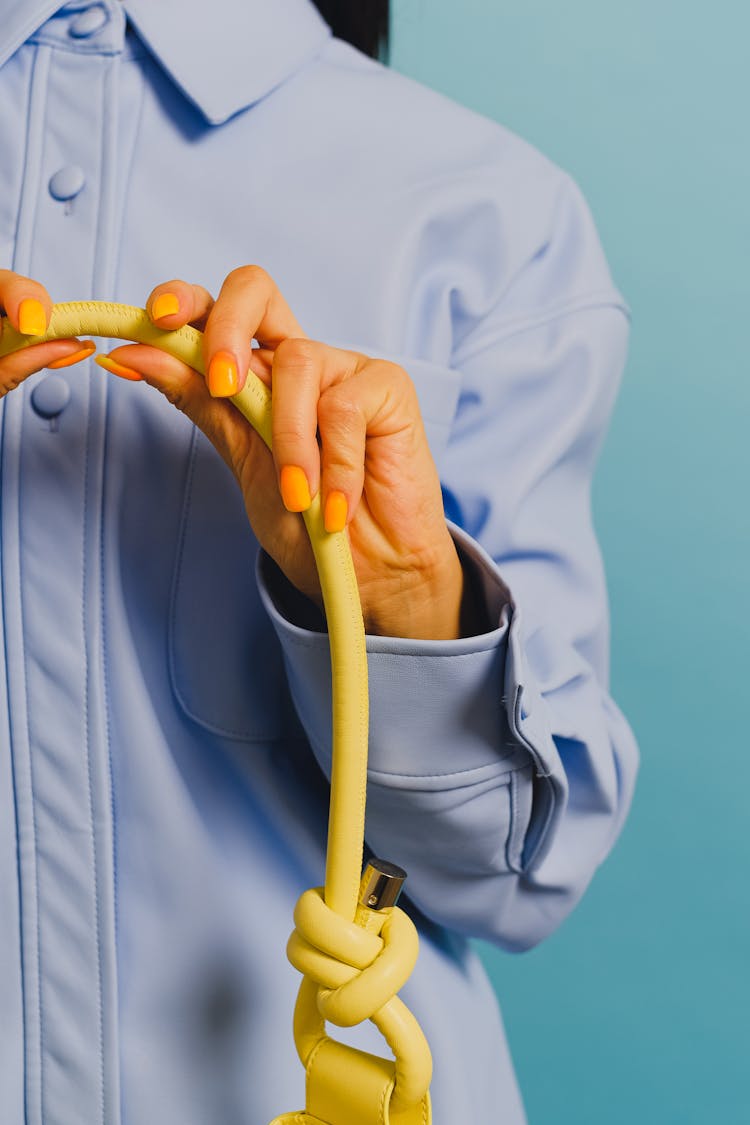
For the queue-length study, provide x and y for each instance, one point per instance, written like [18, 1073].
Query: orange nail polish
[222, 375]
[74, 357]
[295, 491]
[166, 304]
[336, 511]
[118, 368]
[32, 319]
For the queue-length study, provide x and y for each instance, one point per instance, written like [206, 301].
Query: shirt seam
[307, 644]
[589, 302]
[57, 44]
[489, 771]
[86, 669]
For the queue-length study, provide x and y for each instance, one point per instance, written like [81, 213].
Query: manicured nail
[32, 319]
[75, 357]
[335, 512]
[166, 304]
[295, 491]
[118, 368]
[222, 375]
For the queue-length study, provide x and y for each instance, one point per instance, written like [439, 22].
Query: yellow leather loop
[351, 972]
[365, 1098]
[356, 982]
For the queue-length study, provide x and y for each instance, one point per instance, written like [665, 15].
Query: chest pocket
[225, 661]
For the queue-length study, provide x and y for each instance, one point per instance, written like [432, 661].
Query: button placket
[60, 481]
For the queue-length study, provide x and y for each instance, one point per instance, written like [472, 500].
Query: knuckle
[10, 384]
[397, 377]
[176, 395]
[338, 408]
[290, 434]
[201, 295]
[295, 354]
[342, 470]
[250, 275]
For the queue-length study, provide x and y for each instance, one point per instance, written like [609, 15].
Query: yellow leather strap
[349, 973]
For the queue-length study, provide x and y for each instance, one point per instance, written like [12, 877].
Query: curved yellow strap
[351, 972]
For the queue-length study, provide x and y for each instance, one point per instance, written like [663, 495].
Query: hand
[27, 304]
[343, 423]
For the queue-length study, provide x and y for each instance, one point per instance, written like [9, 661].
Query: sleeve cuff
[439, 710]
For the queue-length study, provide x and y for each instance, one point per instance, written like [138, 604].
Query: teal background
[637, 1009]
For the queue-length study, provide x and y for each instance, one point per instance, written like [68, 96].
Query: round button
[88, 22]
[50, 397]
[67, 182]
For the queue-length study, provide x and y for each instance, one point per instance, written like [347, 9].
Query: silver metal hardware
[381, 884]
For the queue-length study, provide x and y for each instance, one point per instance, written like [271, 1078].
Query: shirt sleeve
[500, 770]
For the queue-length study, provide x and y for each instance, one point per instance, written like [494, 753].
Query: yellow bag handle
[354, 954]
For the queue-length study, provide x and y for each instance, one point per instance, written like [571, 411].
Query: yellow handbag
[352, 944]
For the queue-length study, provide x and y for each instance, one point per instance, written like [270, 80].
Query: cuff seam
[321, 640]
[504, 767]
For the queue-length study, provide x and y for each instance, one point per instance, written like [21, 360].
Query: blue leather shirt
[162, 751]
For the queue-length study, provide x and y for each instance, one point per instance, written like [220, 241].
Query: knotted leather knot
[358, 972]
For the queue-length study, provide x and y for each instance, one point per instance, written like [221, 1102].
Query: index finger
[26, 303]
[249, 306]
[174, 303]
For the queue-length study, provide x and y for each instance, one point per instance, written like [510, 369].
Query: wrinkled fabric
[164, 721]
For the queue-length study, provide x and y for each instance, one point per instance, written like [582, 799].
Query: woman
[430, 297]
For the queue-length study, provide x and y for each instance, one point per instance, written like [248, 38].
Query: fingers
[327, 405]
[249, 306]
[302, 372]
[175, 303]
[17, 366]
[298, 376]
[370, 428]
[182, 385]
[28, 305]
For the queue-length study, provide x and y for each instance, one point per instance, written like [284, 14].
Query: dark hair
[363, 23]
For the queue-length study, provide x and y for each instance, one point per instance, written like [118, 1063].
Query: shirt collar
[224, 54]
[19, 20]
[227, 54]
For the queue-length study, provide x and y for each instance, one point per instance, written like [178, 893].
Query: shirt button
[88, 22]
[50, 397]
[67, 182]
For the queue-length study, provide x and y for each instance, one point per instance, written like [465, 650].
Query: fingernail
[166, 304]
[118, 368]
[222, 375]
[32, 319]
[74, 357]
[295, 491]
[335, 512]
